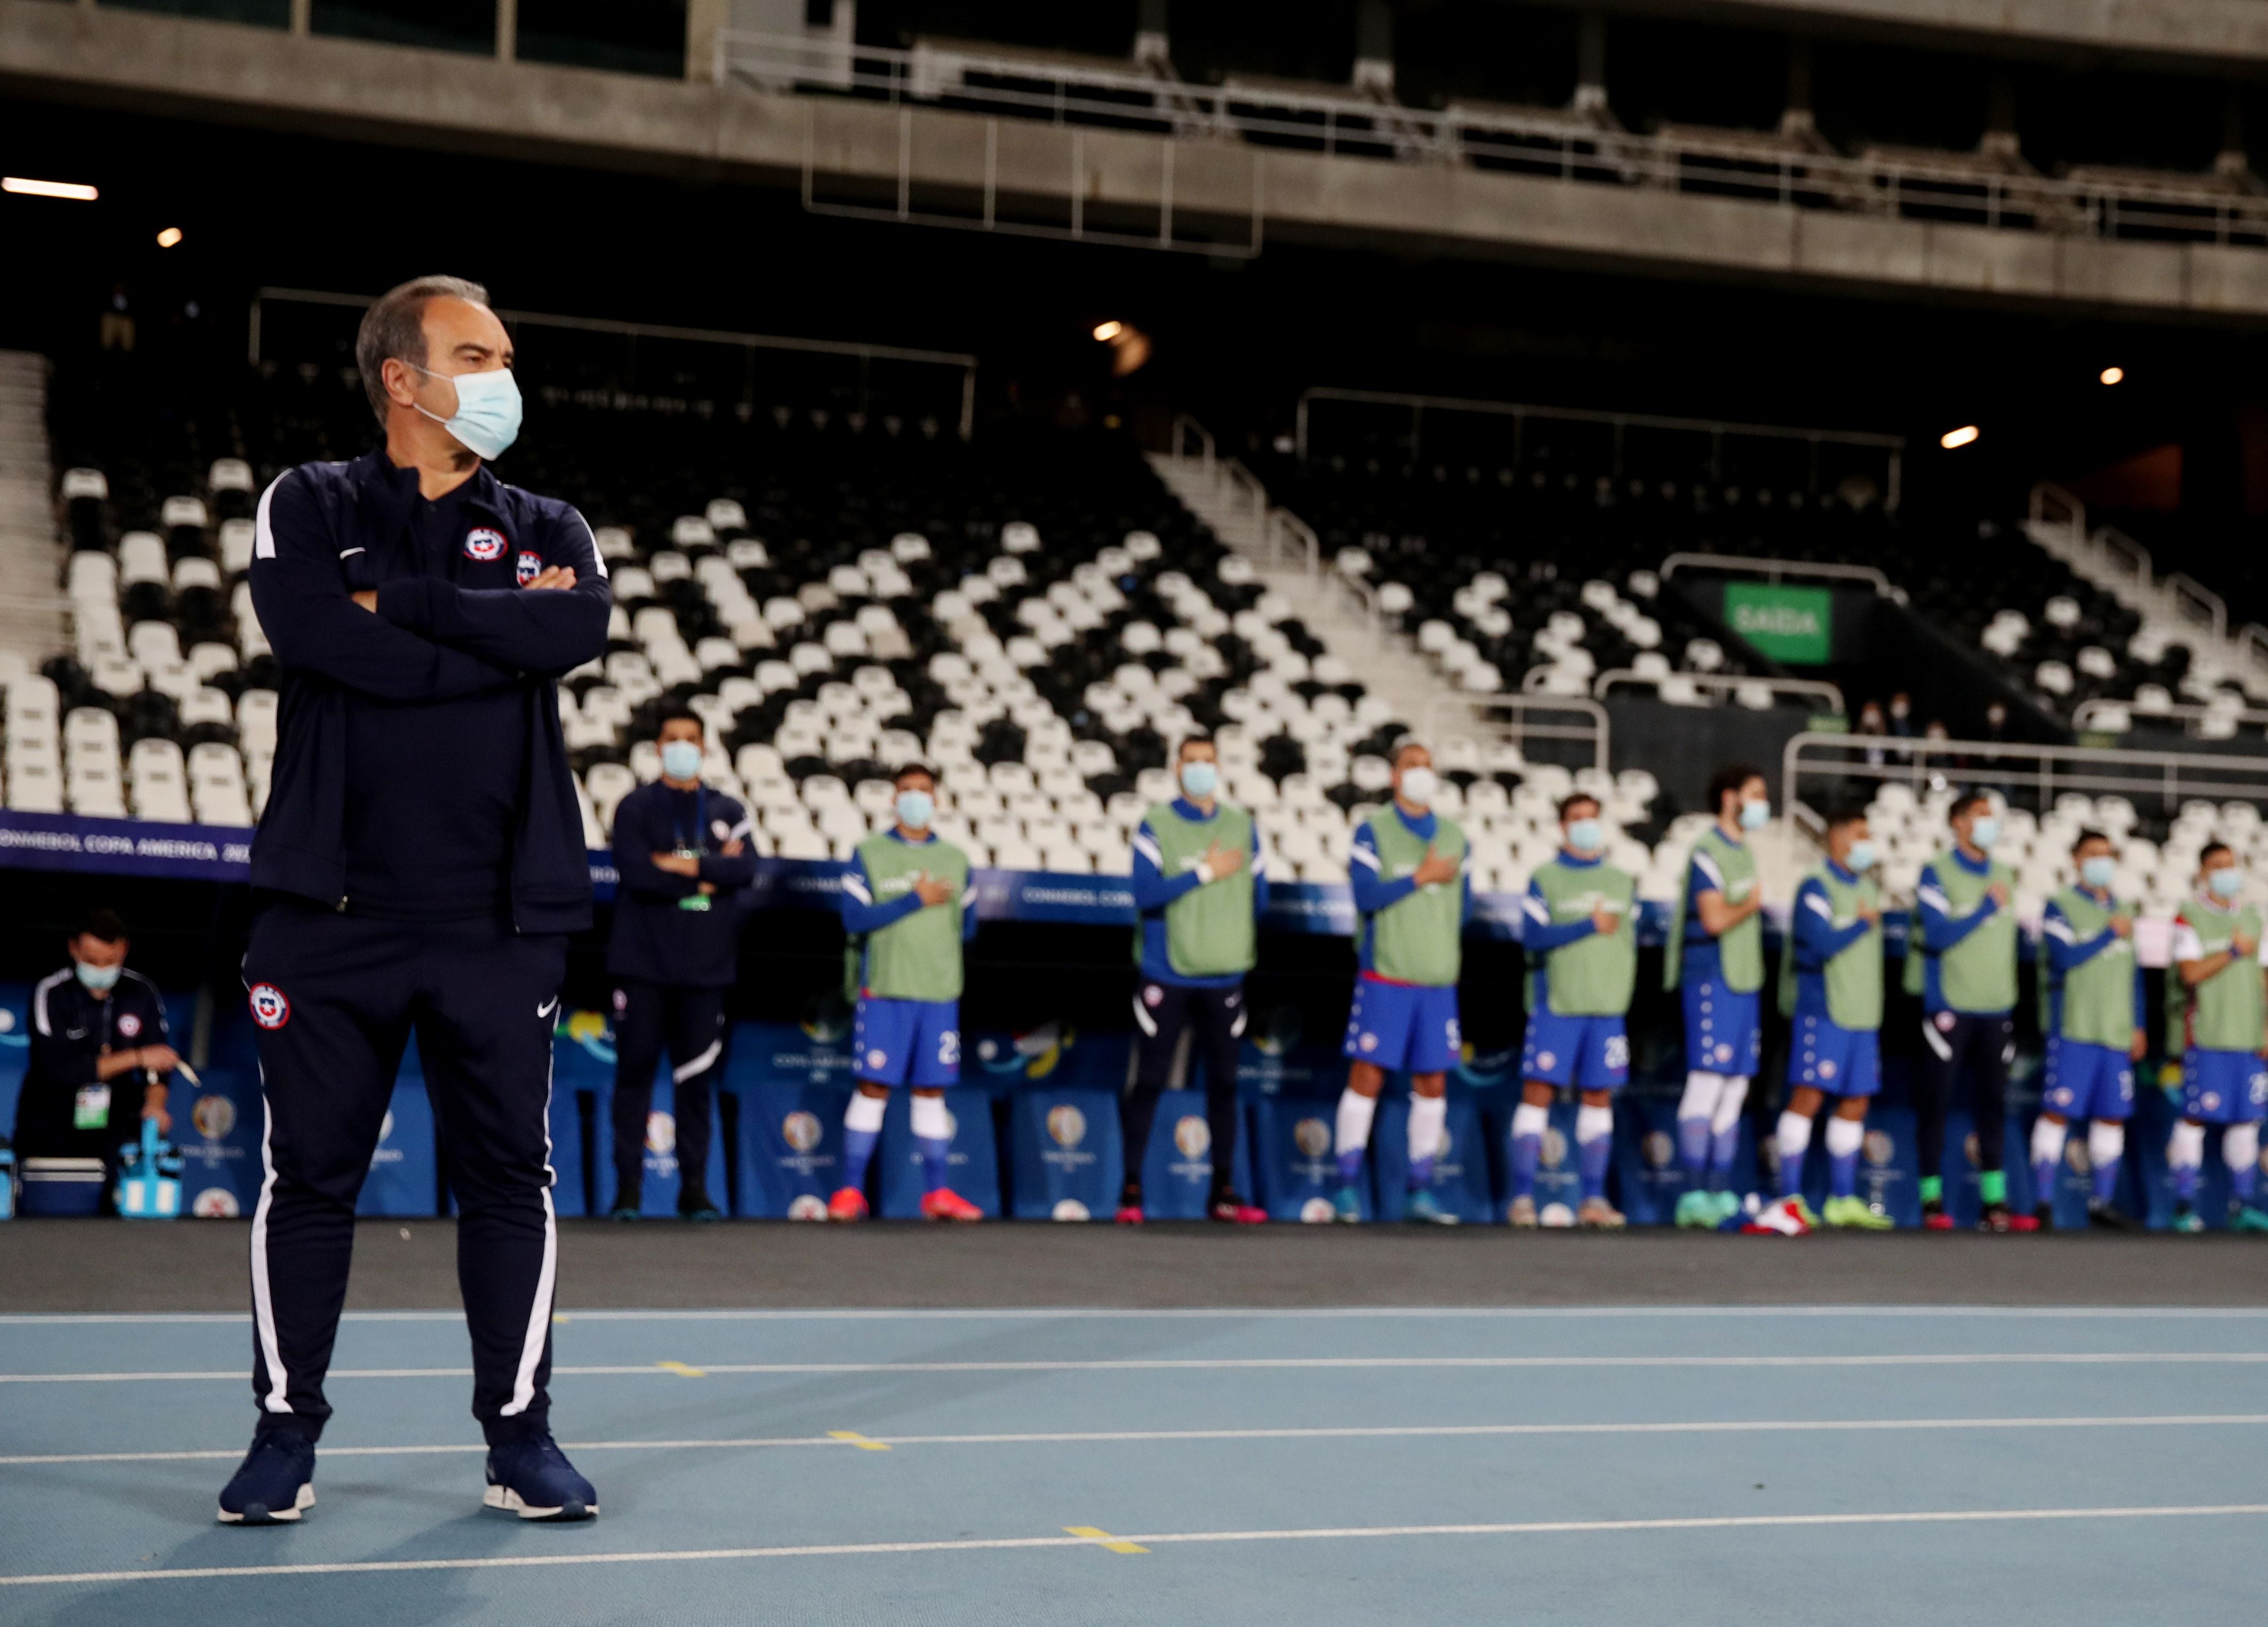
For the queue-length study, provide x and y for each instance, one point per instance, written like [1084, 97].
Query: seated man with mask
[681, 850]
[99, 1053]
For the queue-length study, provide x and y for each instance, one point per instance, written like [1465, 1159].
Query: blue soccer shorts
[1841, 1062]
[2085, 1081]
[1724, 1029]
[914, 1043]
[1590, 1053]
[2224, 1087]
[1403, 1027]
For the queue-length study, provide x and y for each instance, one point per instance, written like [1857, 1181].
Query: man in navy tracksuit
[681, 852]
[419, 863]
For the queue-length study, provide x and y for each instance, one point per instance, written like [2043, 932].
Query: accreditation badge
[90, 1109]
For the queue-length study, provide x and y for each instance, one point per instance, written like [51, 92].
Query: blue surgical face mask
[1200, 778]
[2098, 872]
[2226, 882]
[1587, 835]
[488, 410]
[1862, 857]
[680, 760]
[99, 978]
[915, 809]
[1984, 830]
[1755, 815]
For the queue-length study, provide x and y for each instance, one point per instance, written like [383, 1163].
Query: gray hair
[394, 329]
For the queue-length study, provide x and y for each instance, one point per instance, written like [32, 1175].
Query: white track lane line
[1228, 1364]
[1229, 1313]
[1343, 1533]
[1380, 1432]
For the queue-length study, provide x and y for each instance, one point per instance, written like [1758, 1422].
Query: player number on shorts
[1618, 1050]
[948, 1049]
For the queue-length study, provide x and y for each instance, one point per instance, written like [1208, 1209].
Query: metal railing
[2039, 771]
[1520, 413]
[1779, 570]
[1798, 688]
[2091, 714]
[966, 364]
[1596, 730]
[1542, 142]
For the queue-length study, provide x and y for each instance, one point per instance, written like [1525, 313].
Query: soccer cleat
[1425, 1209]
[700, 1209]
[1728, 1207]
[1129, 1214]
[533, 1478]
[1347, 1206]
[1854, 1213]
[2186, 1218]
[2244, 1218]
[1598, 1215]
[1233, 1210]
[1803, 1211]
[945, 1204]
[1934, 1218]
[1783, 1217]
[1520, 1214]
[2000, 1218]
[848, 1204]
[1697, 1210]
[276, 1482]
[2103, 1217]
[2043, 1217]
[624, 1212]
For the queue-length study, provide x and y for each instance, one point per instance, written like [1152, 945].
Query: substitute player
[1581, 936]
[2218, 952]
[1966, 975]
[1716, 953]
[2091, 1001]
[1407, 864]
[1200, 886]
[907, 909]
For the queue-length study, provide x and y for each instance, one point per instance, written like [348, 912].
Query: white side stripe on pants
[1938, 1043]
[699, 1063]
[1142, 1017]
[263, 1308]
[538, 1314]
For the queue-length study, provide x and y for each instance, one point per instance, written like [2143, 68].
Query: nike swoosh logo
[548, 1007]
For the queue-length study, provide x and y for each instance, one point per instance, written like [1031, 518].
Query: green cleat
[1854, 1214]
[2187, 1220]
[1424, 1209]
[1697, 1210]
[2245, 1217]
[1728, 1205]
[1347, 1206]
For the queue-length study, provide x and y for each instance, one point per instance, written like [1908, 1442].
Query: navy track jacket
[327, 531]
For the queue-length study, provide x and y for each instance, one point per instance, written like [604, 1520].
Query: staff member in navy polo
[418, 866]
[99, 1052]
[682, 855]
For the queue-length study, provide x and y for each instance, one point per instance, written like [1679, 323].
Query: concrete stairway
[31, 604]
[1225, 496]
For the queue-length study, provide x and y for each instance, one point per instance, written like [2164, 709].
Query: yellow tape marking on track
[681, 1370]
[1096, 1535]
[855, 1439]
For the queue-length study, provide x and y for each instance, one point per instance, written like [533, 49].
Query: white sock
[865, 1112]
[2048, 1138]
[1593, 1124]
[1795, 1137]
[1729, 1103]
[1428, 1116]
[1844, 1137]
[931, 1122]
[2185, 1148]
[1703, 1089]
[2240, 1145]
[2106, 1142]
[1355, 1112]
[1527, 1119]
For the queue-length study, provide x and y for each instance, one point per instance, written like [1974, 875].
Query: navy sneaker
[274, 1483]
[534, 1479]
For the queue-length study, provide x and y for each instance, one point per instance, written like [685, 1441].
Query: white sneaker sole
[303, 1501]
[513, 1503]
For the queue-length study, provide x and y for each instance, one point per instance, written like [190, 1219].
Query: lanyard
[700, 822]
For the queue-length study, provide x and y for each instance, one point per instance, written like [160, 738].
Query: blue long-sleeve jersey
[2068, 952]
[1818, 940]
[861, 914]
[1374, 890]
[1154, 889]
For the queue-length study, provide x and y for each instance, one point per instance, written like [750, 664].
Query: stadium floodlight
[2112, 375]
[1960, 437]
[78, 191]
[169, 237]
[1105, 332]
